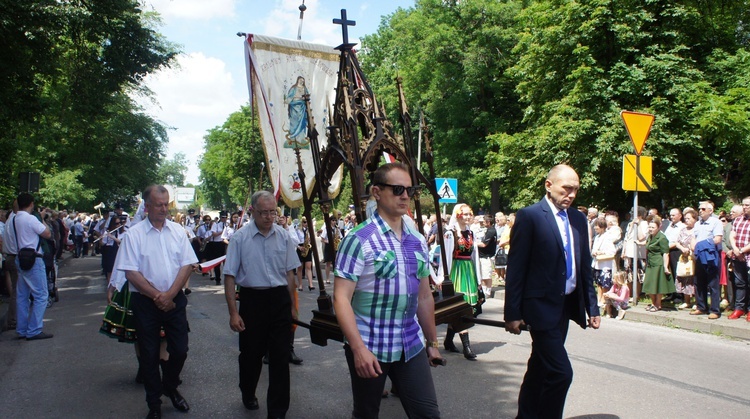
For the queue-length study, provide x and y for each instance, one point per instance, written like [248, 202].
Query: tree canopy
[513, 87]
[68, 72]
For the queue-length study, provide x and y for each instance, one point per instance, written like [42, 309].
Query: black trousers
[148, 322]
[267, 314]
[216, 250]
[412, 379]
[549, 373]
[741, 285]
[707, 283]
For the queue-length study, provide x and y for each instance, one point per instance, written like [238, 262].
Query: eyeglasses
[267, 213]
[702, 209]
[723, 220]
[398, 190]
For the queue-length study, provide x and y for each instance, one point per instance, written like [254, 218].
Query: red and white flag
[210, 264]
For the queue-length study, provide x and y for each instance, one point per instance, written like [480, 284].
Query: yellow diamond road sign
[638, 126]
[640, 180]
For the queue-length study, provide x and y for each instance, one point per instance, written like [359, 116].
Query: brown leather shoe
[713, 316]
[697, 312]
[736, 314]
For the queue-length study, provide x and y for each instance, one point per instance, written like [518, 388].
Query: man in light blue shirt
[708, 230]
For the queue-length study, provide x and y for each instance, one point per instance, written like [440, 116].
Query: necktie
[568, 248]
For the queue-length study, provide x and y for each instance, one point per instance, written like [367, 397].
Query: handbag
[685, 266]
[26, 256]
[501, 258]
[604, 257]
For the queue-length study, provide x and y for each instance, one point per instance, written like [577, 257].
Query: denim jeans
[31, 283]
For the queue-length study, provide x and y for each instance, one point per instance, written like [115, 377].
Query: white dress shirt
[570, 284]
[157, 255]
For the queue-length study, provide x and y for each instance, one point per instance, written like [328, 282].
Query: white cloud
[197, 95]
[317, 26]
[194, 9]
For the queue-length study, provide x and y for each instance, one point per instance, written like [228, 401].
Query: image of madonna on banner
[280, 72]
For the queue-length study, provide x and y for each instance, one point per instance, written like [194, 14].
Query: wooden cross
[345, 25]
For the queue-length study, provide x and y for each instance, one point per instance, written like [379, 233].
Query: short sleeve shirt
[741, 228]
[707, 230]
[157, 255]
[28, 229]
[387, 274]
[258, 261]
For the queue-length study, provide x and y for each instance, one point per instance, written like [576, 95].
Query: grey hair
[257, 196]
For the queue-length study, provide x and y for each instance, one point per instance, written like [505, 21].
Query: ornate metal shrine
[357, 138]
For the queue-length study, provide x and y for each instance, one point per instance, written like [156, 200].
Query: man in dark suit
[549, 282]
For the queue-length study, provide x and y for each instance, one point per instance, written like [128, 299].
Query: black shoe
[188, 291]
[294, 359]
[40, 336]
[448, 342]
[251, 403]
[154, 412]
[178, 401]
[310, 288]
[218, 282]
[468, 353]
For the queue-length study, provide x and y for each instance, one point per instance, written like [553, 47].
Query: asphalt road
[623, 370]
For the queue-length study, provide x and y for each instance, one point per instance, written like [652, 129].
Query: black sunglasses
[398, 190]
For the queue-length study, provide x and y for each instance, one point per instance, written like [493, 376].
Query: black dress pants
[149, 321]
[267, 314]
[549, 373]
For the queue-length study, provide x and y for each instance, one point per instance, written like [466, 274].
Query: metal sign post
[638, 126]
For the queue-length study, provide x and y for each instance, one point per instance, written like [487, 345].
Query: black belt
[261, 288]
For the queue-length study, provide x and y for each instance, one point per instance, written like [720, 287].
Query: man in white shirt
[27, 233]
[673, 228]
[156, 257]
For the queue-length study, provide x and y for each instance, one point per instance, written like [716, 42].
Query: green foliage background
[68, 71]
[513, 87]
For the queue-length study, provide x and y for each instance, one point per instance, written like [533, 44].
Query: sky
[208, 83]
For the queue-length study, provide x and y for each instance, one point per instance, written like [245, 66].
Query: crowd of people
[696, 260]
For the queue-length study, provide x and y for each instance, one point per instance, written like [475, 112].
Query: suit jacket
[536, 273]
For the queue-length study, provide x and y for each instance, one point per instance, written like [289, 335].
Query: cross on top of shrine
[345, 26]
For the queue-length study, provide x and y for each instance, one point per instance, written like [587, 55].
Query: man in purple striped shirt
[384, 304]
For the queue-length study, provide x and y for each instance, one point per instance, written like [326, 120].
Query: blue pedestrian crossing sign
[447, 190]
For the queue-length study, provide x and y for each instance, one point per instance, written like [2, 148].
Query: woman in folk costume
[463, 259]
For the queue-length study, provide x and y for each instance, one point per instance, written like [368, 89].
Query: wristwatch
[431, 344]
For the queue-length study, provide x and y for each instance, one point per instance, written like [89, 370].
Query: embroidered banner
[279, 73]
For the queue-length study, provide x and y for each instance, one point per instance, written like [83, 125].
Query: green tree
[65, 189]
[232, 158]
[173, 172]
[67, 71]
[580, 63]
[453, 59]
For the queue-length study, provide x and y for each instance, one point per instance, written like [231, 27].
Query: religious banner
[280, 72]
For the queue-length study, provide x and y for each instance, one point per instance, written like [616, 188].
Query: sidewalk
[680, 319]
